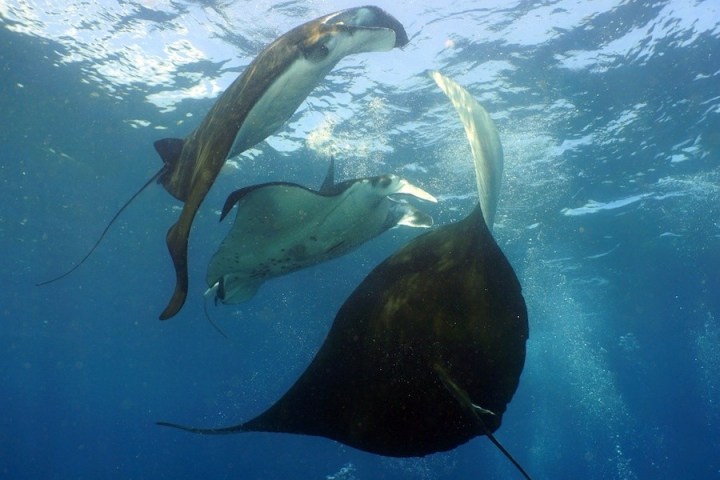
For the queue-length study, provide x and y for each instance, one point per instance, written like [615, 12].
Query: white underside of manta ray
[283, 227]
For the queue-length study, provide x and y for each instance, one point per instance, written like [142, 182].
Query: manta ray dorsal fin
[464, 399]
[169, 150]
[329, 182]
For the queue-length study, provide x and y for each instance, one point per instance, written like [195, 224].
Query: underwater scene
[325, 240]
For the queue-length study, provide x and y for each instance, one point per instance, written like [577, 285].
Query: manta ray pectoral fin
[464, 399]
[177, 244]
[231, 200]
[238, 195]
[409, 189]
[484, 144]
[329, 181]
[409, 216]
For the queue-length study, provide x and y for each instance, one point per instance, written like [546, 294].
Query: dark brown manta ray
[255, 106]
[427, 352]
[435, 331]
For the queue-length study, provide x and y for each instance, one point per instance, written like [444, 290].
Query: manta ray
[427, 352]
[255, 106]
[283, 227]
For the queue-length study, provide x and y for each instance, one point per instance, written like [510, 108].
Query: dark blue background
[622, 376]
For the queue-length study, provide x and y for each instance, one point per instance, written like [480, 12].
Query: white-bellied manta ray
[255, 106]
[427, 352]
[283, 227]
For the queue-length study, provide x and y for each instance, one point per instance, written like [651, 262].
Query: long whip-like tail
[102, 235]
[464, 399]
[203, 431]
[211, 291]
[502, 449]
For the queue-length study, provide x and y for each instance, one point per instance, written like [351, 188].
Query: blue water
[609, 114]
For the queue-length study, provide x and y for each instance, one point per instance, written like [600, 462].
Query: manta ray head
[355, 30]
[385, 185]
[370, 17]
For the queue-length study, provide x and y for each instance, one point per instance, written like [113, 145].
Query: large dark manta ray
[427, 352]
[255, 106]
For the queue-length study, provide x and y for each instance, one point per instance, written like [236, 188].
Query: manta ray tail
[102, 235]
[495, 442]
[464, 399]
[204, 431]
